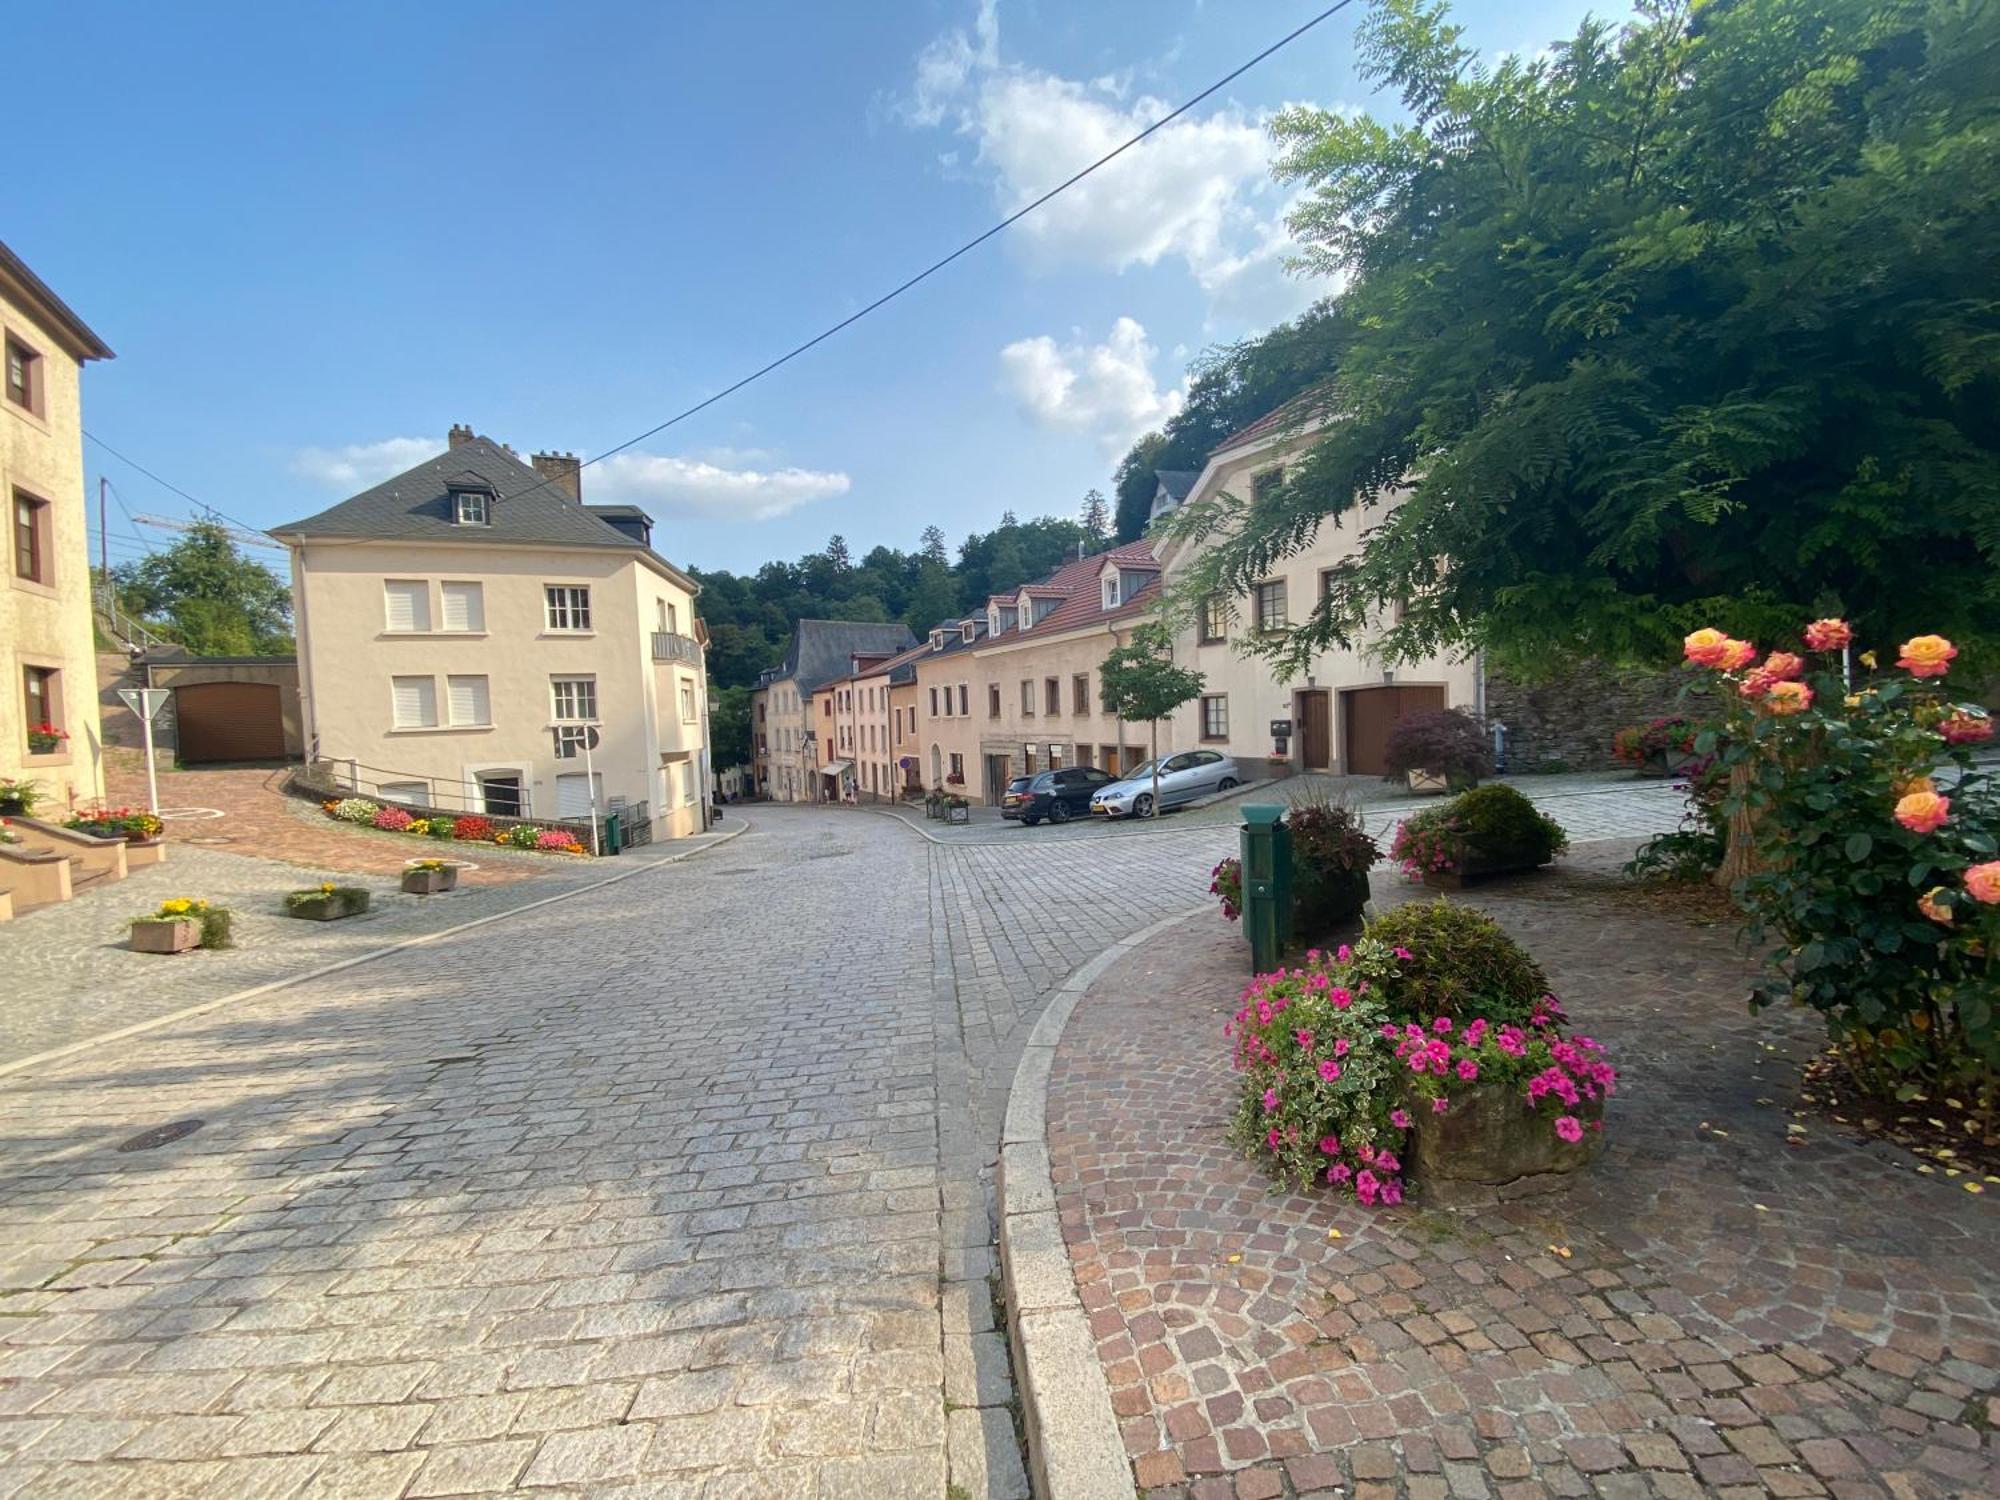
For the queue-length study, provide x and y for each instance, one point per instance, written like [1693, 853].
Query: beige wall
[875, 775]
[941, 735]
[1027, 738]
[905, 733]
[48, 625]
[650, 748]
[787, 716]
[1252, 694]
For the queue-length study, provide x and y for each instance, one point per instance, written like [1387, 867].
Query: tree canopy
[1693, 321]
[208, 596]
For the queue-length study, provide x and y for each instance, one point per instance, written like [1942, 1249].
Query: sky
[317, 236]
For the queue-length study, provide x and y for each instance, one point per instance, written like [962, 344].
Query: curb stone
[187, 1013]
[1075, 1450]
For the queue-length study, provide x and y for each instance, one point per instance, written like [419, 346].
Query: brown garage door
[229, 721]
[1369, 715]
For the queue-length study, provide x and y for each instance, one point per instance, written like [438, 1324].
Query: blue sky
[318, 235]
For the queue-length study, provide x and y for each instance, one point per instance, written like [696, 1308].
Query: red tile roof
[1298, 409]
[1083, 601]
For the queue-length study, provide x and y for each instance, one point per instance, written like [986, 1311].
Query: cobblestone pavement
[1727, 1303]
[680, 1187]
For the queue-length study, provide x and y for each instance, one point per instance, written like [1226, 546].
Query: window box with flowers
[181, 924]
[46, 739]
[430, 877]
[327, 902]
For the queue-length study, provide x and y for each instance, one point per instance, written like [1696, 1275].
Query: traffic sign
[145, 702]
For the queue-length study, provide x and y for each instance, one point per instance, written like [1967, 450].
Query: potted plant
[1332, 854]
[327, 902]
[18, 798]
[1665, 747]
[132, 824]
[46, 739]
[1437, 752]
[957, 809]
[1491, 830]
[430, 877]
[180, 924]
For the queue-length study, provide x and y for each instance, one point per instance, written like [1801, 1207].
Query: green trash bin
[612, 832]
[1266, 845]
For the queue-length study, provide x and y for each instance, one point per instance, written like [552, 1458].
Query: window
[947, 700]
[1215, 717]
[24, 376]
[500, 794]
[1272, 610]
[470, 508]
[1110, 590]
[957, 766]
[687, 701]
[964, 701]
[574, 793]
[993, 700]
[934, 712]
[1262, 484]
[415, 701]
[41, 689]
[417, 792]
[464, 606]
[407, 604]
[1214, 620]
[467, 700]
[1027, 698]
[575, 698]
[1079, 693]
[1052, 695]
[568, 606]
[31, 539]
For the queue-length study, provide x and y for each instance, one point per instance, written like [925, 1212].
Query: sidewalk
[1725, 1299]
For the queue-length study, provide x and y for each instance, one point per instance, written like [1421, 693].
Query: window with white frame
[1215, 716]
[575, 698]
[468, 701]
[464, 606]
[470, 507]
[687, 701]
[406, 604]
[1110, 590]
[415, 702]
[1273, 613]
[568, 606]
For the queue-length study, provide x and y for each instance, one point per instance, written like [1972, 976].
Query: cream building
[1341, 707]
[791, 740]
[462, 626]
[46, 638]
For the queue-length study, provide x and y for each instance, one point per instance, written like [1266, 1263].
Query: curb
[56, 1054]
[1074, 1447]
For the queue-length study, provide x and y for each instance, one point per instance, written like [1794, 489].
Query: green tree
[729, 727]
[1141, 685]
[1096, 517]
[932, 546]
[210, 596]
[1689, 322]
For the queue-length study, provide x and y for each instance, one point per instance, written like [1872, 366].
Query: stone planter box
[142, 852]
[1490, 1137]
[958, 814]
[330, 907]
[165, 935]
[430, 882]
[1665, 763]
[1475, 868]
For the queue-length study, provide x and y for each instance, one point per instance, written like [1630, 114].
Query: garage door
[218, 721]
[1369, 715]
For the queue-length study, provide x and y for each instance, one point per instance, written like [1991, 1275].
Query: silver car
[1183, 777]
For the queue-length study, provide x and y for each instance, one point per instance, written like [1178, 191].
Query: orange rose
[1929, 904]
[1923, 812]
[1966, 725]
[1704, 647]
[1736, 654]
[1982, 882]
[1788, 698]
[1829, 635]
[1926, 655]
[1782, 666]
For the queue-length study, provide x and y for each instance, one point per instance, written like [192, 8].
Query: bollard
[1267, 884]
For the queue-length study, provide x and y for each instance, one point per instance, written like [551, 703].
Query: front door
[1109, 754]
[996, 777]
[1315, 736]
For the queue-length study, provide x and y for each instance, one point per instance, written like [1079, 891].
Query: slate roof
[1177, 482]
[415, 506]
[822, 651]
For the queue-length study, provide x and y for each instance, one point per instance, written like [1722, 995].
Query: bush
[393, 819]
[353, 810]
[1460, 963]
[1448, 743]
[1672, 737]
[1225, 882]
[474, 830]
[443, 828]
[1490, 827]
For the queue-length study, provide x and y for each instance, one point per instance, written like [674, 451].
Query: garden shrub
[354, 810]
[1459, 962]
[1447, 743]
[443, 828]
[1489, 827]
[393, 819]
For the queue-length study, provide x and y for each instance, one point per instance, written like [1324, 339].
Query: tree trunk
[1739, 858]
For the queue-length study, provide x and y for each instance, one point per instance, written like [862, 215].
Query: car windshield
[1139, 773]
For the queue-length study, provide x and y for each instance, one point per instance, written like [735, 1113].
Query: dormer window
[472, 507]
[1110, 590]
[937, 640]
[965, 631]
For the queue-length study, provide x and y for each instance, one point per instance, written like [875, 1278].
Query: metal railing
[670, 647]
[354, 779]
[121, 626]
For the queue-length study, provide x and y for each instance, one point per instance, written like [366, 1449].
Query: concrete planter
[142, 852]
[330, 907]
[1321, 903]
[165, 935]
[430, 882]
[1491, 1137]
[1475, 868]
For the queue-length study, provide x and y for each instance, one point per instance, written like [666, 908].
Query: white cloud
[707, 487]
[1105, 390]
[1199, 191]
[359, 466]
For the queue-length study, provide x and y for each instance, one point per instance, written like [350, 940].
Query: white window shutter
[408, 604]
[469, 700]
[416, 702]
[464, 607]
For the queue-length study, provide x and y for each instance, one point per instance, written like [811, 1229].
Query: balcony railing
[670, 647]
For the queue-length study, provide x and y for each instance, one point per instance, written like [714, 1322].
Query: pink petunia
[1400, 1118]
[1329, 1070]
[1304, 1038]
[1272, 1138]
[1270, 1100]
[1405, 954]
[1365, 1186]
[1385, 1161]
[1342, 998]
[1343, 953]
[1339, 1172]
[1442, 1025]
[1329, 1145]
[1440, 1104]
[1340, 1046]
[1468, 1070]
[1569, 1128]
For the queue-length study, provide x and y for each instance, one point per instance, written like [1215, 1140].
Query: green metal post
[1267, 884]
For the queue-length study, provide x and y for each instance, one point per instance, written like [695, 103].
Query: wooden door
[1315, 730]
[1370, 713]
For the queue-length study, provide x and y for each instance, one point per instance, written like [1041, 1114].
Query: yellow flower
[326, 887]
[1852, 700]
[1926, 655]
[178, 906]
[1933, 908]
[1868, 660]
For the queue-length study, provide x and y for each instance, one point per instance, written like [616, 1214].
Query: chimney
[459, 435]
[565, 470]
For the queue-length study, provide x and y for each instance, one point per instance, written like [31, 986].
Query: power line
[192, 500]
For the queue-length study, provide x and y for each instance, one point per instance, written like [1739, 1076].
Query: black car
[1055, 795]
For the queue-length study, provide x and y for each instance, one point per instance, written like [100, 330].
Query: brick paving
[1743, 1308]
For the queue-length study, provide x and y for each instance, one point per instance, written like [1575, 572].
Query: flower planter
[142, 852]
[430, 882]
[1428, 782]
[330, 907]
[1478, 867]
[1668, 763]
[1320, 903]
[1491, 1136]
[165, 935]
[962, 813]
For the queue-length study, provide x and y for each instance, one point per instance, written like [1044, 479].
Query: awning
[836, 768]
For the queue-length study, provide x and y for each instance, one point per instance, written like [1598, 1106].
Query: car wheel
[1142, 805]
[1029, 822]
[1059, 813]
[1228, 784]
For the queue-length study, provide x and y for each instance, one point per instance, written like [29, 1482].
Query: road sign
[572, 738]
[145, 702]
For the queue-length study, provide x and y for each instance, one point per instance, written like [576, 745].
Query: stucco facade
[788, 759]
[509, 680]
[1042, 707]
[46, 637]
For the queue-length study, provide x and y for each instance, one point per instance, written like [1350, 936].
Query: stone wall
[1566, 721]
